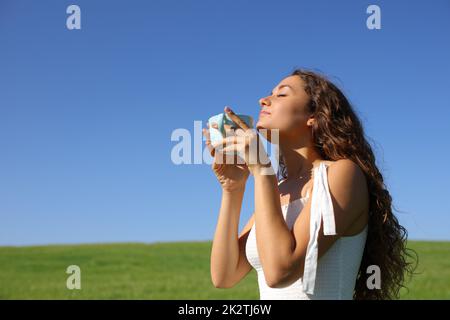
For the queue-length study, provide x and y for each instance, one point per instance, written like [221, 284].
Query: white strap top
[321, 209]
[334, 275]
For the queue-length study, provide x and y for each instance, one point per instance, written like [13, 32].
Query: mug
[224, 122]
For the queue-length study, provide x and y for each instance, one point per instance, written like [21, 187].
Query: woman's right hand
[231, 175]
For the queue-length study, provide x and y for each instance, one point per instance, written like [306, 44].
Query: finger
[213, 125]
[231, 148]
[239, 132]
[205, 132]
[221, 157]
[236, 119]
[212, 151]
[208, 142]
[235, 153]
[230, 132]
[227, 155]
[227, 141]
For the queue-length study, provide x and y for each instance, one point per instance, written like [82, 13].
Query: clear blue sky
[86, 116]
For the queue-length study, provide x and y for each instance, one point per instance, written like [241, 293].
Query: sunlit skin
[281, 250]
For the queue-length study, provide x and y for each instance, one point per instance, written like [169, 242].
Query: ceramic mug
[224, 122]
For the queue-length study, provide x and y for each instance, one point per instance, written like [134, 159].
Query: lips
[264, 112]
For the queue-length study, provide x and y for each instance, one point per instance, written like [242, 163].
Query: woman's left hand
[246, 143]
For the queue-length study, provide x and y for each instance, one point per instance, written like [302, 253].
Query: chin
[260, 125]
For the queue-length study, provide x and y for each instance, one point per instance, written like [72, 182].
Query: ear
[310, 121]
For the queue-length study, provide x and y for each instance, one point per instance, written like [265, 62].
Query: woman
[327, 225]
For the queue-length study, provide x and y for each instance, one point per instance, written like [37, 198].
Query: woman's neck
[300, 161]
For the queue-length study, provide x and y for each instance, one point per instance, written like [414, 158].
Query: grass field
[163, 271]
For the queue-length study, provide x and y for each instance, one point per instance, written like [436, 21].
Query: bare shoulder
[346, 167]
[349, 191]
[347, 174]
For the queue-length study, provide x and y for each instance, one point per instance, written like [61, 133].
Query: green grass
[163, 271]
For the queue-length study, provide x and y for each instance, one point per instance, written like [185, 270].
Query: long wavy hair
[338, 134]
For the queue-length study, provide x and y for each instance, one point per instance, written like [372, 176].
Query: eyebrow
[282, 86]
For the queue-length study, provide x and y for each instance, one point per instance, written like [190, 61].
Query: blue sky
[86, 116]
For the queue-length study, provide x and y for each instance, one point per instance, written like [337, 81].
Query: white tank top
[333, 276]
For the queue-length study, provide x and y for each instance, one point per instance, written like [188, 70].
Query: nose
[264, 102]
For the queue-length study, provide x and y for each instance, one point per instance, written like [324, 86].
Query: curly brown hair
[338, 134]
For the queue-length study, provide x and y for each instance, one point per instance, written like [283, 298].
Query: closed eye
[281, 95]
